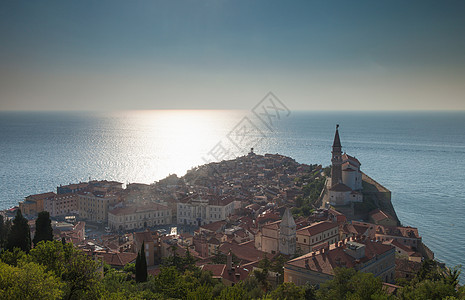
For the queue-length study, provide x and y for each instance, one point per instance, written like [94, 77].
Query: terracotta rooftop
[379, 215]
[144, 236]
[317, 228]
[335, 257]
[220, 271]
[401, 246]
[244, 252]
[118, 259]
[41, 196]
[346, 156]
[406, 232]
[213, 227]
[340, 187]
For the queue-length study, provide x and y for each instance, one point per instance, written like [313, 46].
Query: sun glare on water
[159, 143]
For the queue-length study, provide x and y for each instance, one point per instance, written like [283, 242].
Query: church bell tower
[287, 234]
[336, 159]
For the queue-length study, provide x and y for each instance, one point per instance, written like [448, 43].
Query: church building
[345, 184]
[279, 236]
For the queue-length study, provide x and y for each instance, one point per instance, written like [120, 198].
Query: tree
[130, 267]
[73, 266]
[428, 289]
[12, 257]
[28, 281]
[188, 261]
[451, 275]
[351, 284]
[277, 266]
[288, 290]
[20, 234]
[141, 265]
[4, 229]
[44, 231]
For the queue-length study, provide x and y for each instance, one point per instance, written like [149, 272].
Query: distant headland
[318, 218]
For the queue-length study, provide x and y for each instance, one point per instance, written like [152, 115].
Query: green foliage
[5, 227]
[428, 289]
[277, 265]
[20, 234]
[12, 257]
[233, 293]
[130, 268]
[44, 231]
[311, 192]
[327, 171]
[28, 281]
[180, 263]
[351, 284]
[73, 266]
[52, 270]
[431, 282]
[288, 290]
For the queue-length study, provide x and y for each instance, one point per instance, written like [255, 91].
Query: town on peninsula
[261, 217]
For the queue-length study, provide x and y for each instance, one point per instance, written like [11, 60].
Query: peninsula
[230, 215]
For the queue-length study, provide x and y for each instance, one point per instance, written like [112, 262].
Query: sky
[215, 54]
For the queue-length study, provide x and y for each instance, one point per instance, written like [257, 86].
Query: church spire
[337, 141]
[336, 159]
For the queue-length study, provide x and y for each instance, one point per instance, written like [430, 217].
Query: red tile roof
[335, 257]
[220, 271]
[317, 228]
[42, 196]
[213, 227]
[144, 236]
[244, 252]
[379, 215]
[117, 259]
[340, 187]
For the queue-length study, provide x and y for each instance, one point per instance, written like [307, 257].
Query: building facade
[320, 233]
[62, 204]
[139, 216]
[94, 206]
[204, 209]
[34, 204]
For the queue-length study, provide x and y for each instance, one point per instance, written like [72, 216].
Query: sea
[419, 156]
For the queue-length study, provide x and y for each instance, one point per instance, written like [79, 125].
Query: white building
[137, 217]
[204, 209]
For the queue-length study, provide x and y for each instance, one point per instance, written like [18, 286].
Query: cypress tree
[141, 265]
[138, 266]
[20, 234]
[3, 232]
[44, 231]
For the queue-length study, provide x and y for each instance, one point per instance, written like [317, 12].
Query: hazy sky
[213, 54]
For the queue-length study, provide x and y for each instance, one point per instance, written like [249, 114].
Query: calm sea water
[420, 157]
